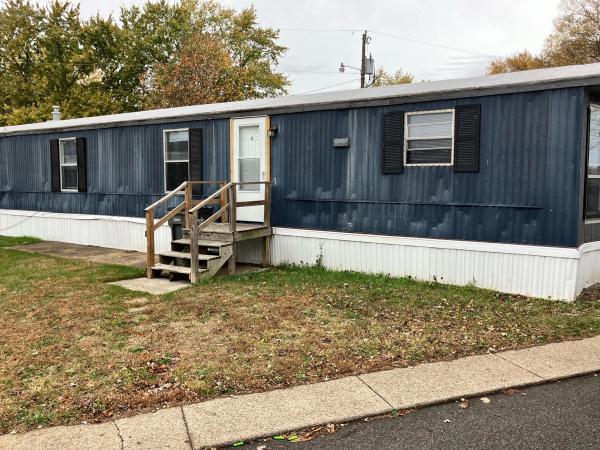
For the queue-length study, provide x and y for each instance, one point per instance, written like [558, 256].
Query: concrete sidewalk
[231, 419]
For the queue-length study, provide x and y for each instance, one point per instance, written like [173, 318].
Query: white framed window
[176, 155]
[429, 138]
[592, 187]
[68, 164]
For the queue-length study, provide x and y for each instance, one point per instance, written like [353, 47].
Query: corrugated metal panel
[591, 231]
[589, 266]
[125, 169]
[531, 273]
[526, 191]
[125, 233]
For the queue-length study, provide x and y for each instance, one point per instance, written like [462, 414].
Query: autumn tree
[202, 73]
[576, 35]
[575, 39]
[523, 60]
[383, 78]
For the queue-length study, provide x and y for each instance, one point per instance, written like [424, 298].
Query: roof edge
[552, 78]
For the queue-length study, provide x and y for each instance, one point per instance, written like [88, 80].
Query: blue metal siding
[124, 165]
[526, 191]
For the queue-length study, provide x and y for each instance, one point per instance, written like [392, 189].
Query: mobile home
[492, 181]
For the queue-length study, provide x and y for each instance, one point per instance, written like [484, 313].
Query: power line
[322, 30]
[327, 87]
[337, 72]
[395, 36]
[434, 44]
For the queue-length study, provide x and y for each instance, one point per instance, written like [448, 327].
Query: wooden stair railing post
[149, 243]
[266, 256]
[224, 200]
[188, 203]
[232, 227]
[267, 218]
[194, 246]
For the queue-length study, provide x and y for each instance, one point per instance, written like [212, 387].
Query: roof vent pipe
[56, 113]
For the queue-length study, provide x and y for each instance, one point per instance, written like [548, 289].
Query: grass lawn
[73, 348]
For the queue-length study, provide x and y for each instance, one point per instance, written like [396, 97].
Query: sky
[322, 34]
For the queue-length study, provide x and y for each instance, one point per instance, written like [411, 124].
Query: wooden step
[176, 269]
[202, 243]
[183, 255]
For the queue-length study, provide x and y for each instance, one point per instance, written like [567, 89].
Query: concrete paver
[432, 383]
[560, 360]
[164, 429]
[154, 286]
[231, 419]
[90, 437]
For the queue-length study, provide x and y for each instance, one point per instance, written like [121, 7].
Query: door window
[249, 157]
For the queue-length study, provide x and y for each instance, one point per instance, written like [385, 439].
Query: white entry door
[249, 163]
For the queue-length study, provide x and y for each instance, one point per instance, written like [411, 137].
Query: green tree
[49, 55]
[383, 78]
[21, 87]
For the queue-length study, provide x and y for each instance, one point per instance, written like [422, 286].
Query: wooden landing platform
[244, 231]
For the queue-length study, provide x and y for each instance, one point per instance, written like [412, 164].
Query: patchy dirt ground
[87, 253]
[73, 348]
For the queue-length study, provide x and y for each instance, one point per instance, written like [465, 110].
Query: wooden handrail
[171, 194]
[225, 196]
[170, 215]
[208, 182]
[213, 218]
[209, 198]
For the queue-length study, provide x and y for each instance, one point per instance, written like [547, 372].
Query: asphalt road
[561, 415]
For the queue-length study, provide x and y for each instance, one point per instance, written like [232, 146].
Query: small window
[68, 164]
[249, 157]
[429, 138]
[176, 158]
[592, 189]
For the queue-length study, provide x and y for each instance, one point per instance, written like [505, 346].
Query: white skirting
[126, 233]
[549, 272]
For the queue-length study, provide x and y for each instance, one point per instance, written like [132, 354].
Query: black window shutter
[467, 137]
[54, 166]
[81, 165]
[195, 158]
[393, 143]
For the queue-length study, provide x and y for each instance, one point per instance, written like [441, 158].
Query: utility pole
[362, 59]
[367, 65]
